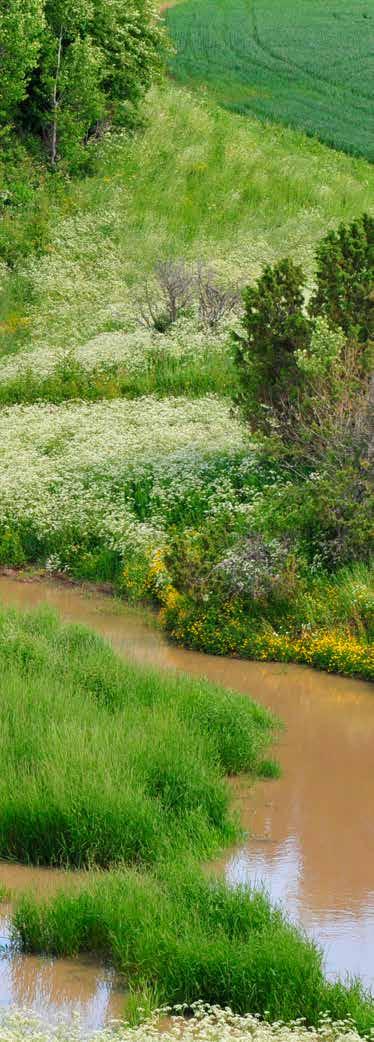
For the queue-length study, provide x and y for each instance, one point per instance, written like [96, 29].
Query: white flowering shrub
[75, 471]
[254, 568]
[208, 1024]
[324, 351]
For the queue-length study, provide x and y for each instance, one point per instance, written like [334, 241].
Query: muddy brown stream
[311, 834]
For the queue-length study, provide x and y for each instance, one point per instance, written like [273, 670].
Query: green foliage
[21, 27]
[276, 328]
[305, 65]
[105, 763]
[285, 352]
[324, 352]
[77, 68]
[344, 291]
[190, 937]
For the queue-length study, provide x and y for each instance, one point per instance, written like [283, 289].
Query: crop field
[305, 63]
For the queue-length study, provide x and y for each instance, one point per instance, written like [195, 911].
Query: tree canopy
[71, 68]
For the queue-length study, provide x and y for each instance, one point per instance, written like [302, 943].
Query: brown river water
[310, 834]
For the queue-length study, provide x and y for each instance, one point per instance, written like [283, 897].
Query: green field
[305, 63]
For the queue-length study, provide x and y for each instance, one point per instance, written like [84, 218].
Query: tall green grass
[186, 937]
[102, 762]
[304, 64]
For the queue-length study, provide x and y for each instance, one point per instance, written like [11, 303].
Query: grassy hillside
[199, 183]
[124, 490]
[307, 64]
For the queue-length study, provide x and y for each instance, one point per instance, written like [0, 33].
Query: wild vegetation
[185, 412]
[103, 763]
[180, 936]
[71, 71]
[252, 531]
[305, 65]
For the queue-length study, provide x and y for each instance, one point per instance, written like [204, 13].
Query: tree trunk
[55, 101]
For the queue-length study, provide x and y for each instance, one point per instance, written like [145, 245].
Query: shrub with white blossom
[208, 1024]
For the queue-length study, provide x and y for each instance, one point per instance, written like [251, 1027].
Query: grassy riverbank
[179, 937]
[105, 765]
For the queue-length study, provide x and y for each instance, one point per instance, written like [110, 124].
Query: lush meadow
[246, 194]
[305, 65]
[123, 458]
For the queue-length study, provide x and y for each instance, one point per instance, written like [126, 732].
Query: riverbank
[226, 632]
[336, 711]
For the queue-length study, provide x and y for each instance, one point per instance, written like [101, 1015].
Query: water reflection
[60, 987]
[54, 988]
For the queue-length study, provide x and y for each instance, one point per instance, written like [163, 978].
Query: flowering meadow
[67, 468]
[158, 496]
[129, 350]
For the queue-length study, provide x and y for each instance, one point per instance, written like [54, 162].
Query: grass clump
[104, 763]
[188, 937]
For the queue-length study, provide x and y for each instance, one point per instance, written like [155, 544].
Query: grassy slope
[199, 182]
[305, 63]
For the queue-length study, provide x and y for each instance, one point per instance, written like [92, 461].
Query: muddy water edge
[310, 835]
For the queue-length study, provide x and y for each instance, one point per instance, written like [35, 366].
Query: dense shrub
[287, 349]
[344, 291]
[275, 329]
